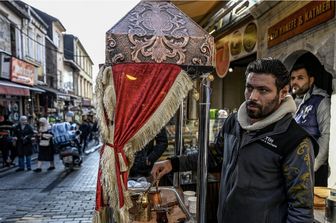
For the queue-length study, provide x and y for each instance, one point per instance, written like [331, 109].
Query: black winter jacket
[24, 142]
[267, 175]
[145, 158]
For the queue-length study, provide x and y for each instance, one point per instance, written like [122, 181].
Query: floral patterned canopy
[158, 32]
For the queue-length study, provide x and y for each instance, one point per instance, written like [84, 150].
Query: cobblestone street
[50, 196]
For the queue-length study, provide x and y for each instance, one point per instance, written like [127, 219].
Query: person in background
[6, 142]
[313, 114]
[145, 158]
[23, 133]
[85, 129]
[267, 166]
[94, 134]
[46, 151]
[221, 116]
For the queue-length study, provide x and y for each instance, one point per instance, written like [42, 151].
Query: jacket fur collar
[287, 106]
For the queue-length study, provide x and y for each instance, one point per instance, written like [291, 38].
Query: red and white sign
[22, 72]
[223, 60]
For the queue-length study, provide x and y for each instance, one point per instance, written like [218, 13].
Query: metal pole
[178, 141]
[192, 104]
[203, 139]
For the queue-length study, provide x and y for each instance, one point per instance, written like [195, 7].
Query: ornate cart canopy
[158, 32]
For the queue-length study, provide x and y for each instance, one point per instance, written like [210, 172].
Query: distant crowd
[21, 140]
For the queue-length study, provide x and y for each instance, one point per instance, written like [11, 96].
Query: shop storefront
[53, 103]
[24, 73]
[75, 109]
[234, 51]
[16, 86]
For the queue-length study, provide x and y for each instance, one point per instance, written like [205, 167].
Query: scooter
[70, 153]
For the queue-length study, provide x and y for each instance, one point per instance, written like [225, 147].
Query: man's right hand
[161, 168]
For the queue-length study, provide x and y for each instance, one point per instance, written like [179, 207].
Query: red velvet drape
[140, 89]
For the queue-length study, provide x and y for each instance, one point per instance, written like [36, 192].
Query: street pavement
[59, 195]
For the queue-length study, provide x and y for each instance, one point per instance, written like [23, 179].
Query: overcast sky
[88, 20]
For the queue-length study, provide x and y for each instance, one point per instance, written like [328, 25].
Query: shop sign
[86, 102]
[63, 97]
[22, 72]
[223, 60]
[243, 41]
[5, 66]
[238, 44]
[52, 110]
[40, 75]
[309, 16]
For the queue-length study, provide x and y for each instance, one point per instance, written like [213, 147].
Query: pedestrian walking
[23, 133]
[85, 129]
[267, 168]
[46, 151]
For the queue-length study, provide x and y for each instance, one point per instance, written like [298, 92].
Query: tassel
[107, 73]
[123, 166]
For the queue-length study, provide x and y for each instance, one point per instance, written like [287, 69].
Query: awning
[60, 95]
[49, 89]
[10, 88]
[37, 90]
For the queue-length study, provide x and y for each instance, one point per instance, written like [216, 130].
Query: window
[39, 48]
[60, 79]
[57, 39]
[30, 43]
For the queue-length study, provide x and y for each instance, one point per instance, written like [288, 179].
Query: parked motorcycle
[70, 153]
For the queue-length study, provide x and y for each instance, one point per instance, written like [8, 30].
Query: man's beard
[297, 90]
[261, 112]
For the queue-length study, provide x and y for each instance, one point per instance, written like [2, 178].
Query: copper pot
[155, 199]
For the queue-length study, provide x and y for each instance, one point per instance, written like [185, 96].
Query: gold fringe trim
[105, 215]
[106, 98]
[99, 90]
[108, 179]
[167, 109]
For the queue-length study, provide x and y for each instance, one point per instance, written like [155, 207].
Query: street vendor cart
[155, 56]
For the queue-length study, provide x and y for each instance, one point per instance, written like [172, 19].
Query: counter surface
[319, 215]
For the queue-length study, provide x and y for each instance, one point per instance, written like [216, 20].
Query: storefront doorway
[234, 83]
[323, 79]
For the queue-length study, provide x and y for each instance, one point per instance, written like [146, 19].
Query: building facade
[22, 60]
[77, 61]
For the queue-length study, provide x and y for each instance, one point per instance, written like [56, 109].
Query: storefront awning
[9, 88]
[59, 94]
[37, 90]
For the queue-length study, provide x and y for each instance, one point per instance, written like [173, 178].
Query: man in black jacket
[145, 158]
[23, 133]
[268, 160]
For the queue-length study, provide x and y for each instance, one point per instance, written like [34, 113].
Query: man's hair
[270, 66]
[298, 66]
